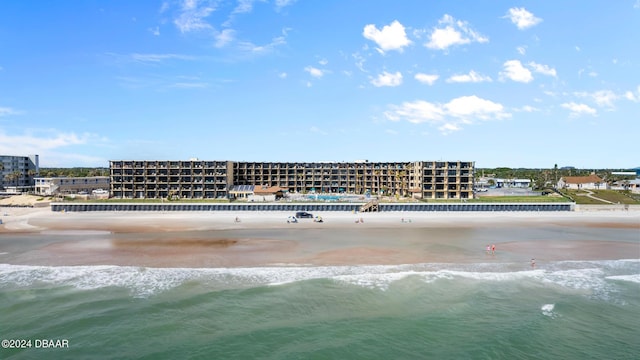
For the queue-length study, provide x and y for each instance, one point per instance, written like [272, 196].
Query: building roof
[591, 179]
[241, 189]
[263, 190]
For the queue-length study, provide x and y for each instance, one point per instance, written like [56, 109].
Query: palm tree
[300, 180]
[403, 183]
[377, 174]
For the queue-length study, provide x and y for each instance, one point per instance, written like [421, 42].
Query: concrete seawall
[609, 207]
[292, 207]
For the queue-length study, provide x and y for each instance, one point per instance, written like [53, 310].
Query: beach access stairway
[371, 206]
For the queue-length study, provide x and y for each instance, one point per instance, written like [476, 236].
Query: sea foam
[635, 278]
[142, 281]
[547, 310]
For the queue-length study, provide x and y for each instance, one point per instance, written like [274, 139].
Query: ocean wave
[547, 310]
[143, 281]
[635, 278]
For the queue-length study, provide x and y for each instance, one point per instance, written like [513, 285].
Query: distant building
[513, 183]
[18, 172]
[489, 182]
[71, 185]
[632, 185]
[197, 179]
[591, 182]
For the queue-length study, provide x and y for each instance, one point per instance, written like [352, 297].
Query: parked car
[303, 214]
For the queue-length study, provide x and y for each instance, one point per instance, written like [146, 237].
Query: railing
[384, 207]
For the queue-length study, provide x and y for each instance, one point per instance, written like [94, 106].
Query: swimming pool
[326, 197]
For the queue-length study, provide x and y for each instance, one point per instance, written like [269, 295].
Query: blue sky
[517, 84]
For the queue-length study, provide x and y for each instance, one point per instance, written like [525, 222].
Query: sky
[503, 83]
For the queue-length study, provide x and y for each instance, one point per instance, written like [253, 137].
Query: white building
[591, 182]
[71, 185]
[513, 183]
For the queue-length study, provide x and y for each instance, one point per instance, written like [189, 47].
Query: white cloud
[359, 61]
[44, 143]
[514, 70]
[157, 58]
[387, 79]
[6, 111]
[282, 75]
[224, 37]
[155, 31]
[390, 37]
[282, 3]
[317, 130]
[472, 76]
[637, 4]
[189, 85]
[452, 32]
[522, 18]
[262, 49]
[315, 72]
[528, 108]
[416, 112]
[448, 117]
[629, 94]
[449, 128]
[193, 14]
[323, 62]
[521, 50]
[542, 69]
[51, 145]
[426, 78]
[579, 109]
[467, 107]
[602, 98]
[244, 6]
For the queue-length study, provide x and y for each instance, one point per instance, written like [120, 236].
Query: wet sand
[265, 238]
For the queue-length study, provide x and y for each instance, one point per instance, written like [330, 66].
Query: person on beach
[493, 249]
[533, 263]
[488, 249]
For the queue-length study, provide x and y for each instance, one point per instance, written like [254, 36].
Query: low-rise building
[93, 185]
[591, 182]
[513, 183]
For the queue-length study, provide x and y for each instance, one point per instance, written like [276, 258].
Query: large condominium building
[17, 172]
[214, 179]
[193, 179]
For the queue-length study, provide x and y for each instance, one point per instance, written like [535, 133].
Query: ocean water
[559, 310]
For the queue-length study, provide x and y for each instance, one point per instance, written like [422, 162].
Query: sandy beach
[207, 239]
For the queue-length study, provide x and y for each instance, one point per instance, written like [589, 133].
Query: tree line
[545, 178]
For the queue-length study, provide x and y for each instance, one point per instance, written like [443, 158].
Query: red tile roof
[260, 190]
[591, 179]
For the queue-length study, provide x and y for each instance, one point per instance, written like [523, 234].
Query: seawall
[292, 207]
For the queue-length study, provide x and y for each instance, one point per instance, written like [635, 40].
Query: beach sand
[38, 236]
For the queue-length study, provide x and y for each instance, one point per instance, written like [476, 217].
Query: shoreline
[214, 240]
